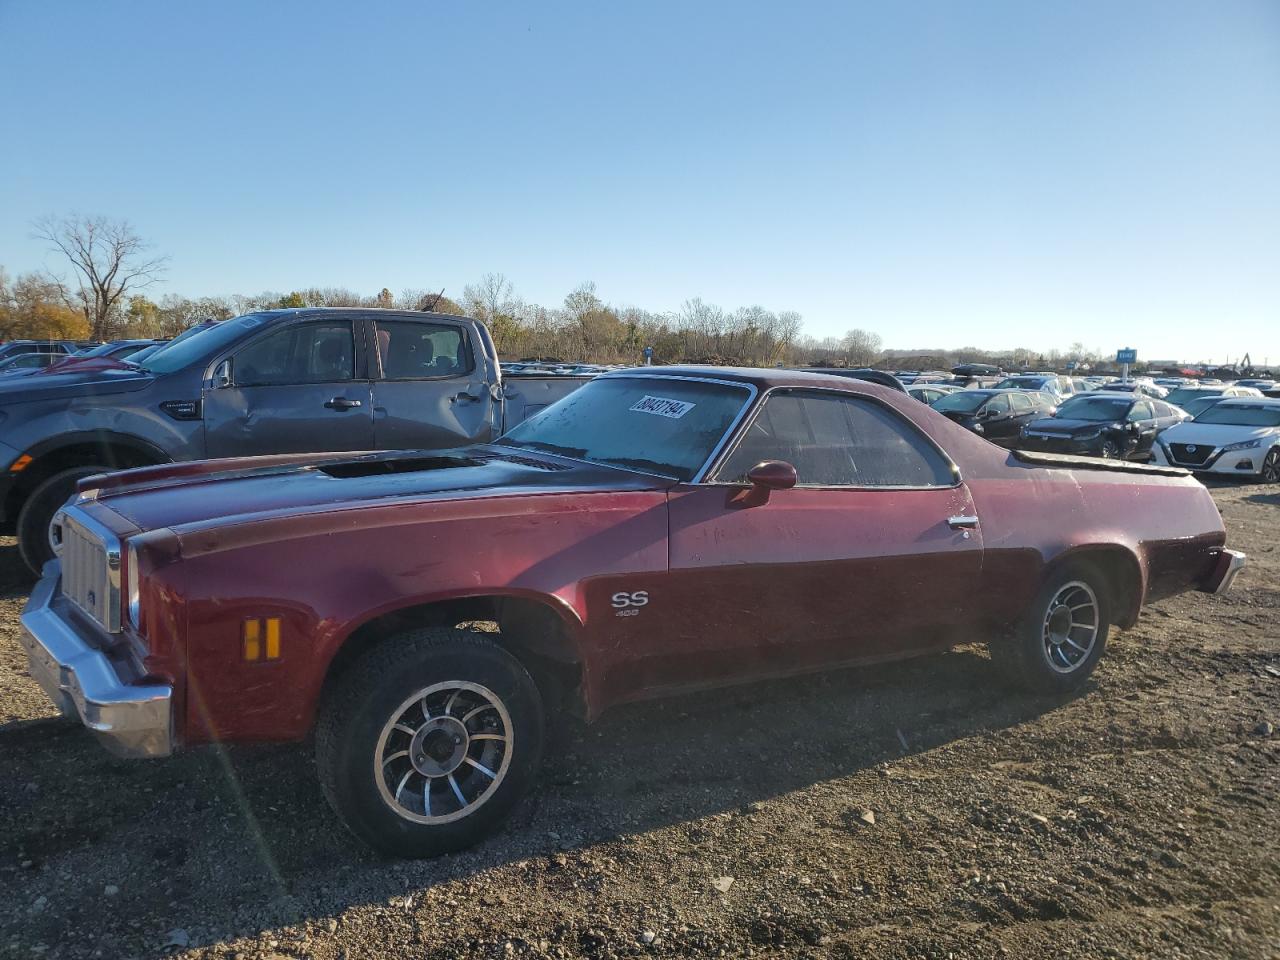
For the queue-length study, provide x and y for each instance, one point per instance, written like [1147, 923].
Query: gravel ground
[913, 810]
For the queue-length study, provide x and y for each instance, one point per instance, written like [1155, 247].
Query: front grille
[90, 557]
[1192, 453]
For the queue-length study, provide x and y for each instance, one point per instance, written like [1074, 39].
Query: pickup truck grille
[90, 557]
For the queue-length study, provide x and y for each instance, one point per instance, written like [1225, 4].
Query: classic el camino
[659, 530]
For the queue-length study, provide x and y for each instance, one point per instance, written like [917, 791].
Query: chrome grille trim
[90, 556]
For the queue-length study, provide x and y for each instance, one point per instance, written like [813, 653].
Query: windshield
[1183, 394]
[966, 401]
[1099, 409]
[188, 347]
[1239, 415]
[651, 424]
[1021, 383]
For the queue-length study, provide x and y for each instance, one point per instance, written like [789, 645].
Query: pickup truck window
[836, 441]
[322, 352]
[408, 350]
[660, 425]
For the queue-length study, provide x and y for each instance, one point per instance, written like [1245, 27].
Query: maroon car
[659, 530]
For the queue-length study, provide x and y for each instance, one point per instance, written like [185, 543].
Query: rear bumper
[1227, 565]
[130, 719]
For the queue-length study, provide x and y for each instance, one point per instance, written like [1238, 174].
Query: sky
[984, 173]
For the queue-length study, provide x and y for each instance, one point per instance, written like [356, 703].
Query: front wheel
[35, 543]
[425, 744]
[1110, 450]
[1270, 472]
[1063, 634]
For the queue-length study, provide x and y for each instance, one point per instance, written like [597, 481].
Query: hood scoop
[354, 469]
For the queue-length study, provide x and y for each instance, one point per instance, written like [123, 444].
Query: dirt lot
[917, 810]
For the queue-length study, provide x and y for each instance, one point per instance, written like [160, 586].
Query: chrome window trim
[957, 479]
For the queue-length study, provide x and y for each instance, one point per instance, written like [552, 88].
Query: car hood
[1067, 427]
[1214, 434]
[220, 492]
[52, 384]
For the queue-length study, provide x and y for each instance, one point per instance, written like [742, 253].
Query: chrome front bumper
[1230, 563]
[132, 720]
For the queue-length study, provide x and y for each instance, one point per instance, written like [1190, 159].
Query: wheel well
[117, 456]
[1122, 576]
[530, 629]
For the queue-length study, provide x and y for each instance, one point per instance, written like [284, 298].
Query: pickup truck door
[876, 552]
[430, 388]
[295, 389]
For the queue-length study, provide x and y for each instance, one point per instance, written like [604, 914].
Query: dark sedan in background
[1115, 426]
[997, 415]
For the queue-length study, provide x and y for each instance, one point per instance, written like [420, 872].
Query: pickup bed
[277, 382]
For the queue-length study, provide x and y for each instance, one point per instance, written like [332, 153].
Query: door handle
[464, 397]
[341, 403]
[959, 523]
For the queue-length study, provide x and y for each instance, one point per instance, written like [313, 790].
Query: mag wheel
[1110, 450]
[1271, 466]
[1063, 634]
[427, 742]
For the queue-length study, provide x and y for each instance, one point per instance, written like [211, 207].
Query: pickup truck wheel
[1062, 636]
[426, 742]
[37, 512]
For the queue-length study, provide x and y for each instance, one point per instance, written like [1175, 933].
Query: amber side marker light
[20, 464]
[256, 630]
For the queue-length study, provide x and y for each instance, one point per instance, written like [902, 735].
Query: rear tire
[426, 742]
[1063, 634]
[37, 513]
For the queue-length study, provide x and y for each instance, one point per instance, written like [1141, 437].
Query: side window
[835, 441]
[409, 350]
[303, 353]
[1021, 403]
[1140, 411]
[998, 405]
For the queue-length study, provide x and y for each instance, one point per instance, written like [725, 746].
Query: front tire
[37, 512]
[426, 742]
[1110, 450]
[1063, 634]
[1270, 472]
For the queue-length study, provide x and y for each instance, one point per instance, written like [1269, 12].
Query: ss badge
[629, 604]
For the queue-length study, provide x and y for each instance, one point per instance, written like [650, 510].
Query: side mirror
[764, 479]
[1135, 428]
[222, 375]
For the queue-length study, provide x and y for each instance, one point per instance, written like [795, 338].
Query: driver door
[297, 389]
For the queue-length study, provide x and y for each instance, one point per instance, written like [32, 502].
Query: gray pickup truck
[281, 381]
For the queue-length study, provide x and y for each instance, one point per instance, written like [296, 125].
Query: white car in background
[1232, 438]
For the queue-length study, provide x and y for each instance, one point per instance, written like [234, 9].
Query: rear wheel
[34, 539]
[1063, 634]
[1270, 472]
[427, 742]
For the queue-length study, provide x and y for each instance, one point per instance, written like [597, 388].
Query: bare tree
[861, 348]
[110, 259]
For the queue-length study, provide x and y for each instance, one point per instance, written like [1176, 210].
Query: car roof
[758, 377]
[1250, 402]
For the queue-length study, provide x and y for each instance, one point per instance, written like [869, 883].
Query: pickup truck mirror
[764, 478]
[222, 375]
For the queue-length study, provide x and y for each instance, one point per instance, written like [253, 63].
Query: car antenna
[427, 308]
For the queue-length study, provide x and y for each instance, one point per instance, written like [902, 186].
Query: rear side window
[1021, 403]
[837, 441]
[409, 350]
[302, 353]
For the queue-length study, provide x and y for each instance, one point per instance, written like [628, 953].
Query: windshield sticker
[662, 407]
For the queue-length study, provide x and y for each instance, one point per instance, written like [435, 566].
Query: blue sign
[1127, 355]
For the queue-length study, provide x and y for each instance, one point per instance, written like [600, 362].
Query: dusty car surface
[660, 529]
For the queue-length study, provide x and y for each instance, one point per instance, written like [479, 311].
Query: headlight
[131, 573]
[1243, 445]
